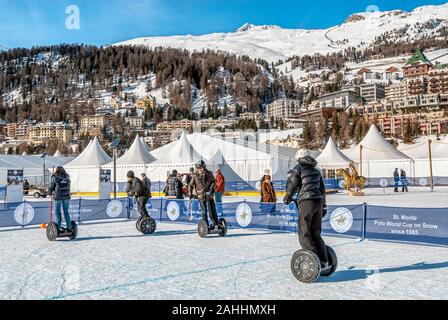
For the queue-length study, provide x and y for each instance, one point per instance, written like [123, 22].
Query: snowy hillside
[274, 43]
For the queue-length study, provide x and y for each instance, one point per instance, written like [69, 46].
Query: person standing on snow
[219, 185]
[147, 182]
[173, 186]
[268, 194]
[306, 180]
[60, 186]
[136, 188]
[404, 181]
[396, 180]
[203, 182]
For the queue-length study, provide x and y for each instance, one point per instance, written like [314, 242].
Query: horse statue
[352, 180]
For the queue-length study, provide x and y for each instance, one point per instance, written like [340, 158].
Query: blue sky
[25, 23]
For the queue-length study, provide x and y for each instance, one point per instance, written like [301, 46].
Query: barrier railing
[280, 185]
[363, 221]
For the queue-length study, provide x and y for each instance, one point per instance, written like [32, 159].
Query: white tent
[147, 148]
[33, 166]
[58, 154]
[135, 158]
[440, 148]
[420, 154]
[85, 169]
[246, 160]
[137, 154]
[177, 152]
[379, 157]
[179, 155]
[331, 157]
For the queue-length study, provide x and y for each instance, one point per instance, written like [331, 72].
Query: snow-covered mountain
[273, 42]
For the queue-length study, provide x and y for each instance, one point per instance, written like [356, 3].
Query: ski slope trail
[113, 261]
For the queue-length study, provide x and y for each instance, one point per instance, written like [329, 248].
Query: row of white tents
[242, 160]
[379, 157]
[239, 161]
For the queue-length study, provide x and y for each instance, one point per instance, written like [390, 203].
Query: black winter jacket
[307, 181]
[136, 188]
[60, 185]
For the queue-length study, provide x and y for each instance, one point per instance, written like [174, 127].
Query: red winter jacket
[220, 183]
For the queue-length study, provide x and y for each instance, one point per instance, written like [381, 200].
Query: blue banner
[419, 225]
[344, 220]
[90, 210]
[407, 224]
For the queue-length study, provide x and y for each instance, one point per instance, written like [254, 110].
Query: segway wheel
[137, 224]
[74, 231]
[305, 266]
[52, 231]
[203, 229]
[224, 227]
[332, 261]
[147, 225]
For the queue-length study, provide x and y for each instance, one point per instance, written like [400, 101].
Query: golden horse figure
[352, 180]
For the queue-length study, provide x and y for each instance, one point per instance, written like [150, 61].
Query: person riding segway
[136, 188]
[315, 259]
[203, 182]
[60, 191]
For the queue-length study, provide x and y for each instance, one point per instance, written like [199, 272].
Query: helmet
[200, 164]
[130, 174]
[302, 153]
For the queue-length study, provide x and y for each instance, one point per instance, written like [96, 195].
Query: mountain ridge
[273, 43]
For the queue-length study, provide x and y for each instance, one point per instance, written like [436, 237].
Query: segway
[53, 233]
[146, 225]
[306, 267]
[204, 230]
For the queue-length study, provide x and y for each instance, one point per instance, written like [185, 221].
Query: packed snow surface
[113, 261]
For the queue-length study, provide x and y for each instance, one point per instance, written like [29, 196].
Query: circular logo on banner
[341, 220]
[423, 181]
[258, 185]
[173, 210]
[383, 183]
[114, 208]
[24, 213]
[243, 215]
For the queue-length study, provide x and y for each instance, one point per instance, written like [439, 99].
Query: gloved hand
[324, 211]
[286, 200]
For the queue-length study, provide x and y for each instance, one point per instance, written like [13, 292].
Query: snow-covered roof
[93, 155]
[375, 147]
[332, 156]
[136, 154]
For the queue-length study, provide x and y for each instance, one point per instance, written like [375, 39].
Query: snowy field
[113, 261]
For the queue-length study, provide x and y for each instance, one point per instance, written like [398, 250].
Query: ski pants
[142, 201]
[310, 227]
[208, 208]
